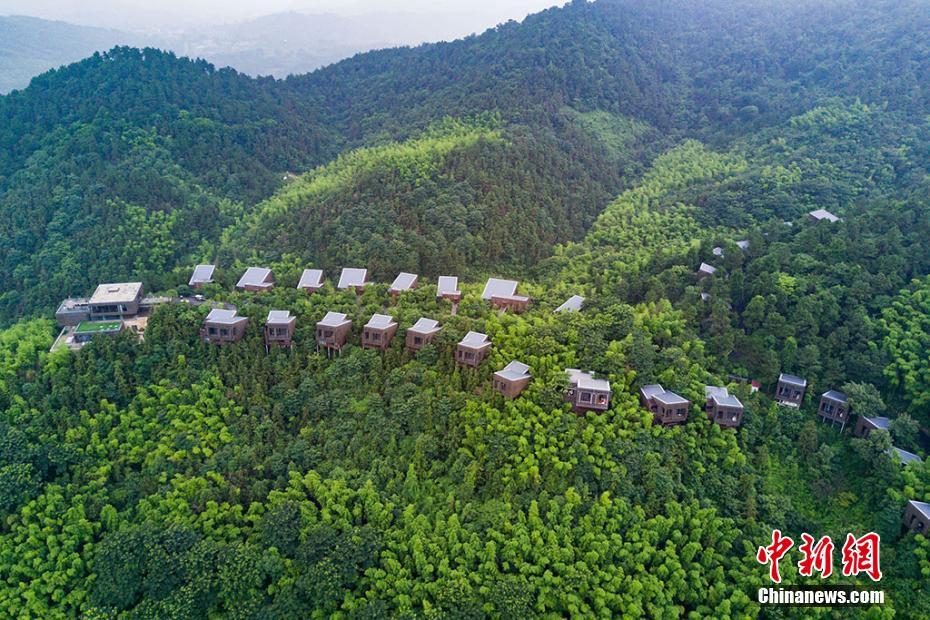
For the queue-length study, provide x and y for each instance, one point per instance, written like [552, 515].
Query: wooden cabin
[585, 392]
[706, 270]
[256, 280]
[311, 280]
[472, 349]
[647, 395]
[822, 215]
[355, 279]
[421, 333]
[115, 302]
[865, 425]
[402, 283]
[917, 517]
[279, 328]
[378, 332]
[834, 407]
[448, 288]
[790, 390]
[671, 409]
[332, 332]
[223, 326]
[502, 294]
[512, 379]
[203, 274]
[572, 304]
[723, 408]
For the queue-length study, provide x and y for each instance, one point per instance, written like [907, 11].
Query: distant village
[113, 308]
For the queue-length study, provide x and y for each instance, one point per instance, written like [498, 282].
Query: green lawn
[97, 327]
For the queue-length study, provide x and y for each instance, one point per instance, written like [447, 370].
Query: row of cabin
[834, 407]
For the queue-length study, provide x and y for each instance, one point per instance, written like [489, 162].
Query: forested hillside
[604, 149]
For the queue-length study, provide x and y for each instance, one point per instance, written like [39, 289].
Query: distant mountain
[30, 46]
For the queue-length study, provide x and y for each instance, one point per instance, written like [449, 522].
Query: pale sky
[168, 14]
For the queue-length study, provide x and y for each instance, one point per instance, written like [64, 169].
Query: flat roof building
[403, 282]
[378, 332]
[512, 379]
[421, 333]
[448, 288]
[353, 278]
[706, 270]
[865, 425]
[256, 279]
[820, 215]
[503, 294]
[472, 349]
[723, 408]
[311, 280]
[917, 517]
[203, 274]
[223, 326]
[790, 390]
[116, 301]
[73, 311]
[572, 304]
[279, 328]
[585, 392]
[332, 331]
[834, 407]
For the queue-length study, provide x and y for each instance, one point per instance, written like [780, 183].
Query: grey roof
[514, 371]
[823, 214]
[255, 276]
[670, 398]
[708, 269]
[311, 278]
[712, 390]
[447, 285]
[334, 319]
[905, 456]
[352, 277]
[404, 281]
[878, 422]
[586, 381]
[792, 379]
[727, 401]
[651, 390]
[705, 296]
[718, 251]
[425, 326]
[499, 288]
[380, 321]
[922, 507]
[116, 293]
[572, 304]
[203, 274]
[835, 395]
[223, 316]
[279, 316]
[743, 244]
[475, 340]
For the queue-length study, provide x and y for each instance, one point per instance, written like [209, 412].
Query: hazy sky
[166, 14]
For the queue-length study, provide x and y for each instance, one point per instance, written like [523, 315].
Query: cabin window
[585, 397]
[211, 330]
[417, 340]
[224, 332]
[602, 399]
[376, 336]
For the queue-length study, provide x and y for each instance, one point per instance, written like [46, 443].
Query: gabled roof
[279, 317]
[311, 278]
[670, 398]
[475, 340]
[334, 319]
[514, 371]
[425, 326]
[708, 269]
[572, 304]
[743, 244]
[255, 276]
[586, 381]
[404, 281]
[223, 316]
[906, 457]
[447, 285]
[792, 379]
[823, 214]
[496, 287]
[878, 422]
[922, 507]
[380, 321]
[835, 395]
[203, 274]
[116, 292]
[352, 277]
